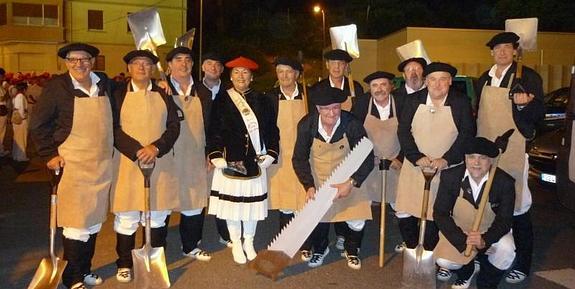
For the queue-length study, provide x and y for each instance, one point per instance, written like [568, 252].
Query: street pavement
[24, 211]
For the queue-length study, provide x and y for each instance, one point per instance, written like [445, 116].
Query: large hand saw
[286, 244]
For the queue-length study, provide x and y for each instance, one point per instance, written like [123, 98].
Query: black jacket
[527, 118]
[462, 117]
[129, 146]
[307, 132]
[227, 134]
[53, 116]
[501, 198]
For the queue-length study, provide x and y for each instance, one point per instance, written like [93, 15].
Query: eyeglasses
[83, 60]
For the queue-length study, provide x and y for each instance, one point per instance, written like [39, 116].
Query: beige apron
[463, 214]
[143, 116]
[324, 159]
[190, 150]
[434, 132]
[383, 134]
[347, 104]
[285, 190]
[494, 117]
[83, 192]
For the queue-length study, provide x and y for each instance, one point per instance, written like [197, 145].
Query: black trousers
[191, 228]
[319, 238]
[489, 276]
[409, 228]
[79, 256]
[523, 237]
[222, 227]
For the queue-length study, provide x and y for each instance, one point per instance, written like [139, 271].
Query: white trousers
[81, 234]
[126, 223]
[189, 213]
[500, 255]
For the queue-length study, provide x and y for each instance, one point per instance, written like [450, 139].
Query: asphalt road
[24, 200]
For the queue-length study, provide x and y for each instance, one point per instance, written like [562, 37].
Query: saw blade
[290, 239]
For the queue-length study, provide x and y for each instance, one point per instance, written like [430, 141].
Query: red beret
[242, 62]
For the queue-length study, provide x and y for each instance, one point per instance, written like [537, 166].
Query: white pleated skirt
[233, 199]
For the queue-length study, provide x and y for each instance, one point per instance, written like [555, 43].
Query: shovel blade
[150, 270]
[47, 275]
[418, 271]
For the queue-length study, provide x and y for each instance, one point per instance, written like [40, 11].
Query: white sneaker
[400, 247]
[92, 279]
[339, 244]
[306, 255]
[78, 285]
[317, 259]
[464, 283]
[124, 275]
[444, 274]
[515, 276]
[225, 242]
[353, 262]
[199, 255]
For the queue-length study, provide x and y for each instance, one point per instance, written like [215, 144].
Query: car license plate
[549, 178]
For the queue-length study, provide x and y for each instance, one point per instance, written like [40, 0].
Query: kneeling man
[455, 207]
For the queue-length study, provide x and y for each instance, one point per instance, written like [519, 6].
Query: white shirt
[18, 103]
[136, 89]
[475, 187]
[430, 103]
[179, 90]
[292, 96]
[214, 89]
[384, 111]
[410, 91]
[93, 89]
[333, 84]
[494, 80]
[323, 132]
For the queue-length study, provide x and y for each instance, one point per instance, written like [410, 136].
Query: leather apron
[383, 135]
[463, 215]
[83, 191]
[494, 117]
[285, 190]
[190, 163]
[143, 116]
[434, 132]
[324, 159]
[347, 104]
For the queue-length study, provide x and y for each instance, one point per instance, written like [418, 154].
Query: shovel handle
[483, 203]
[382, 219]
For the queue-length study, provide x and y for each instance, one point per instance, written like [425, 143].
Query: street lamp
[317, 9]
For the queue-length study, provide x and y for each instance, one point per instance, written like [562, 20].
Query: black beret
[213, 56]
[378, 74]
[289, 62]
[327, 95]
[338, 54]
[140, 53]
[176, 51]
[2, 71]
[439, 66]
[77, 46]
[482, 146]
[419, 60]
[504, 37]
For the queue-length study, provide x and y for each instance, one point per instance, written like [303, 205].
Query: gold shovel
[418, 264]
[50, 270]
[150, 270]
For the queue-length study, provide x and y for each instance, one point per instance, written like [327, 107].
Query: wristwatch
[352, 182]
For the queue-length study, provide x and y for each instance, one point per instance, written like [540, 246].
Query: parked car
[555, 105]
[543, 155]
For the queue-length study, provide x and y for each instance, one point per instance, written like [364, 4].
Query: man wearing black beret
[435, 125]
[379, 111]
[412, 70]
[191, 167]
[337, 62]
[145, 131]
[72, 128]
[324, 138]
[286, 194]
[510, 95]
[456, 205]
